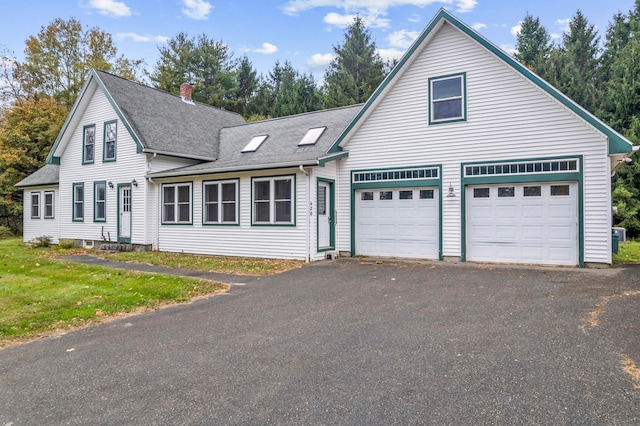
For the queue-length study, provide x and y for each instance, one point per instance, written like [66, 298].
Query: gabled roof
[47, 175]
[280, 149]
[618, 144]
[159, 122]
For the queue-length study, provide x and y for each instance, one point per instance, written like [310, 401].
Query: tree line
[38, 93]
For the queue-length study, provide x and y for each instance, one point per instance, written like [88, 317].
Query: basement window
[255, 143]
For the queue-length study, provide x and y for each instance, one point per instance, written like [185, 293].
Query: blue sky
[300, 31]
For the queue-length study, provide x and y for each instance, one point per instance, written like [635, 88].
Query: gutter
[308, 231]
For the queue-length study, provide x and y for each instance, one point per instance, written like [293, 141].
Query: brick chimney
[185, 92]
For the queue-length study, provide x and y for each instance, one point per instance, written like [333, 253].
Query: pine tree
[356, 70]
[533, 45]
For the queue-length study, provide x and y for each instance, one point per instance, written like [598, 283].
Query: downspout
[308, 232]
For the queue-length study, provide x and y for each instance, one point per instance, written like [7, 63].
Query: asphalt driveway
[351, 342]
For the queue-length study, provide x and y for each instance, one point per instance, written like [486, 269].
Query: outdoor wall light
[110, 184]
[451, 192]
[134, 183]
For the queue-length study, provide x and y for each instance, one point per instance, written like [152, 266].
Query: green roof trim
[51, 159]
[618, 144]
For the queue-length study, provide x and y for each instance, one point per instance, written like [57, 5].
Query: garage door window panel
[481, 192]
[560, 190]
[506, 191]
[386, 195]
[532, 191]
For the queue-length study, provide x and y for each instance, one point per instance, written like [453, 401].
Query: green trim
[191, 202]
[51, 159]
[219, 182]
[573, 176]
[410, 183]
[617, 144]
[84, 135]
[130, 186]
[95, 201]
[332, 221]
[294, 191]
[104, 142]
[73, 201]
[463, 75]
[139, 147]
[31, 204]
[324, 160]
[53, 204]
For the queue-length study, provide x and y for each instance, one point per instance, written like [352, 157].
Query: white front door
[324, 215]
[124, 220]
[523, 223]
[398, 222]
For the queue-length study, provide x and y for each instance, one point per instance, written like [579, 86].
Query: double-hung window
[48, 205]
[78, 202]
[176, 203]
[447, 99]
[88, 144]
[273, 200]
[220, 202]
[99, 201]
[35, 205]
[110, 139]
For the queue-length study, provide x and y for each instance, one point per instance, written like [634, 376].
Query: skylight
[255, 143]
[312, 136]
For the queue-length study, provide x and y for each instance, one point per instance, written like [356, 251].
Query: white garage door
[401, 222]
[523, 223]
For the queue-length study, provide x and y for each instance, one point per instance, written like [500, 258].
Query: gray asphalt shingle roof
[281, 146]
[47, 175]
[164, 123]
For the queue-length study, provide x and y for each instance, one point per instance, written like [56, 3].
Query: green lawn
[629, 252]
[39, 294]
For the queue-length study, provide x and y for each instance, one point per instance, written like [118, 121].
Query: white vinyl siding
[508, 118]
[34, 228]
[130, 165]
[243, 239]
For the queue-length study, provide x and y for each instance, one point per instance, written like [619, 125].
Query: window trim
[37, 195]
[176, 204]
[463, 98]
[96, 201]
[53, 204]
[220, 222]
[84, 144]
[106, 159]
[272, 180]
[75, 218]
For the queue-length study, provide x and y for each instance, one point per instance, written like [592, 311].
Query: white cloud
[515, 30]
[478, 26]
[319, 61]
[390, 54]
[142, 38]
[415, 18]
[465, 5]
[197, 9]
[555, 36]
[510, 49]
[267, 49]
[563, 24]
[343, 21]
[402, 38]
[115, 9]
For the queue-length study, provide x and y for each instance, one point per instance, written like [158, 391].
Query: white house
[461, 153]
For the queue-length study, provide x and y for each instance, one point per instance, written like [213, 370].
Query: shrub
[66, 244]
[5, 233]
[42, 241]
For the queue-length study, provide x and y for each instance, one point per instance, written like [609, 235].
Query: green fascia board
[617, 144]
[92, 75]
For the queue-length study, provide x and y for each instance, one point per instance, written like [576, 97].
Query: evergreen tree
[533, 45]
[356, 70]
[201, 61]
[245, 90]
